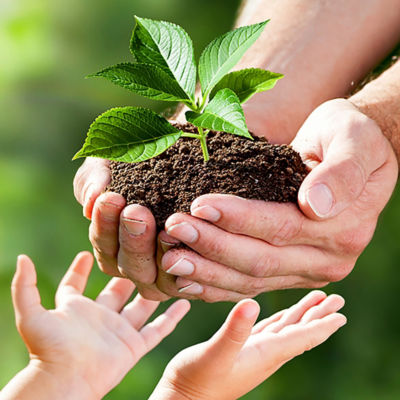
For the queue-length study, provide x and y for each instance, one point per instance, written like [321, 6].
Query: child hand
[87, 346]
[240, 355]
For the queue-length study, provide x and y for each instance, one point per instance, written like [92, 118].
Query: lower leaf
[129, 134]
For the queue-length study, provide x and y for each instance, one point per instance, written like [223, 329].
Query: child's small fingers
[138, 311]
[296, 339]
[260, 326]
[293, 314]
[25, 294]
[75, 279]
[154, 332]
[331, 304]
[116, 293]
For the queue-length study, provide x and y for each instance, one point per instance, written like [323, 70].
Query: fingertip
[174, 219]
[340, 319]
[89, 201]
[24, 268]
[246, 310]
[310, 208]
[179, 308]
[138, 220]
[82, 263]
[115, 199]
[339, 300]
[85, 255]
[249, 309]
[317, 294]
[184, 305]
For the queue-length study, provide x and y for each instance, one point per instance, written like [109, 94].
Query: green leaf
[247, 82]
[223, 53]
[129, 134]
[224, 113]
[145, 80]
[168, 47]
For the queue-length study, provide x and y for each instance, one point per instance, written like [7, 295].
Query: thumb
[339, 179]
[233, 334]
[90, 181]
[25, 294]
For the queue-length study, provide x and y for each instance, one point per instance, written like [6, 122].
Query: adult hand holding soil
[247, 247]
[123, 238]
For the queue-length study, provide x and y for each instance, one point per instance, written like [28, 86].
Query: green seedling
[164, 69]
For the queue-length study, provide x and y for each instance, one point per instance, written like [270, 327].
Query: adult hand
[245, 247]
[123, 237]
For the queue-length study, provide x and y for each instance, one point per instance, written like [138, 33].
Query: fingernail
[207, 212]
[181, 267]
[134, 227]
[194, 288]
[184, 231]
[320, 199]
[108, 210]
[165, 246]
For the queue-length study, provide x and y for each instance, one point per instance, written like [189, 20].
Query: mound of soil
[171, 181]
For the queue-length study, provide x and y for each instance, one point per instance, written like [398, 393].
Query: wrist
[41, 380]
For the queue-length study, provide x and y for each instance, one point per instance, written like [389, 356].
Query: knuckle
[354, 241]
[338, 272]
[265, 265]
[286, 231]
[310, 341]
[254, 287]
[215, 248]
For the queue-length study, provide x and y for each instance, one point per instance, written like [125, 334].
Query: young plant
[164, 69]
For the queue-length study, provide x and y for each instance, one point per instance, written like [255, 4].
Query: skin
[246, 247]
[242, 355]
[82, 348]
[331, 247]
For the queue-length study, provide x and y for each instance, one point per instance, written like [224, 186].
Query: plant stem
[191, 135]
[203, 142]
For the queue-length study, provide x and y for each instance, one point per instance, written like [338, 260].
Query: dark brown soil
[239, 166]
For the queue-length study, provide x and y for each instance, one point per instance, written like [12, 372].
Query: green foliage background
[47, 47]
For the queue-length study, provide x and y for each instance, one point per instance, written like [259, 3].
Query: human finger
[154, 332]
[260, 326]
[139, 310]
[75, 279]
[188, 264]
[103, 231]
[296, 339]
[116, 293]
[25, 294]
[137, 240]
[194, 291]
[245, 254]
[230, 338]
[276, 223]
[331, 304]
[293, 314]
[90, 181]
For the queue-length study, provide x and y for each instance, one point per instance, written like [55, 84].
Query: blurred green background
[47, 47]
